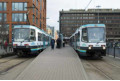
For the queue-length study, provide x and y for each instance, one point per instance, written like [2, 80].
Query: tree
[4, 33]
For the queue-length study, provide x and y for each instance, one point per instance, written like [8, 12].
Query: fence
[113, 49]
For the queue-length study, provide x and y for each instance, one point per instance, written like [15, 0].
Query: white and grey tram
[90, 40]
[29, 39]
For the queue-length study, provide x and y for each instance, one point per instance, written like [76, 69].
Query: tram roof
[93, 25]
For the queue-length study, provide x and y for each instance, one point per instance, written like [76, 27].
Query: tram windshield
[21, 35]
[96, 35]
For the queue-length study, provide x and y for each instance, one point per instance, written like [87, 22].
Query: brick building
[72, 19]
[30, 12]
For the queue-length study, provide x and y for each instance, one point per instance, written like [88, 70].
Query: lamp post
[98, 13]
[59, 28]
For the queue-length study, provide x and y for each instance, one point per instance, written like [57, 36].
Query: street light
[98, 12]
[59, 27]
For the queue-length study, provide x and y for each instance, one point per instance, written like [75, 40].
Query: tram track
[102, 68]
[7, 69]
[7, 59]
[102, 72]
[8, 63]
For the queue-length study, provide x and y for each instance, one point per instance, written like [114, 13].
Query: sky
[54, 6]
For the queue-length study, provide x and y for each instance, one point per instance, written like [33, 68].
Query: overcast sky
[54, 6]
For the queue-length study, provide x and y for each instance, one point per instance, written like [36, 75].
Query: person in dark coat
[52, 43]
[58, 43]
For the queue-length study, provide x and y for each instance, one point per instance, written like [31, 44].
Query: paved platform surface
[58, 64]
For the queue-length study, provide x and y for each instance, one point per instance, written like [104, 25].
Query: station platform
[57, 64]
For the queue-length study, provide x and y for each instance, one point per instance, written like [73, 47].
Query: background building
[14, 12]
[50, 30]
[72, 19]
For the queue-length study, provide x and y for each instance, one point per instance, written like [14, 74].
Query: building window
[40, 25]
[25, 17]
[37, 2]
[36, 12]
[25, 6]
[36, 20]
[33, 18]
[19, 17]
[40, 5]
[19, 6]
[33, 8]
[3, 17]
[40, 16]
[3, 6]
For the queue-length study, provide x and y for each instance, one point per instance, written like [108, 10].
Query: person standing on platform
[58, 43]
[52, 43]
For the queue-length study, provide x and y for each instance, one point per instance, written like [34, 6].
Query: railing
[113, 49]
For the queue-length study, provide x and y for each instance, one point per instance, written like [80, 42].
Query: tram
[90, 40]
[29, 39]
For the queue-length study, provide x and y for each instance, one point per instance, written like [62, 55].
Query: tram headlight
[90, 47]
[103, 46]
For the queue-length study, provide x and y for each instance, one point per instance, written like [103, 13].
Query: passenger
[52, 43]
[58, 43]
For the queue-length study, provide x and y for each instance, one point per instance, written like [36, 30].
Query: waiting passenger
[52, 43]
[58, 43]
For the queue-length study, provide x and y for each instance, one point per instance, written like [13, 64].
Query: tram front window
[22, 35]
[96, 35]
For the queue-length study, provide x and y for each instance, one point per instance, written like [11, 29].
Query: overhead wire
[88, 4]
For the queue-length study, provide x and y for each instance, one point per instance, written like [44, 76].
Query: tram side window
[84, 35]
[32, 35]
[44, 37]
[39, 37]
